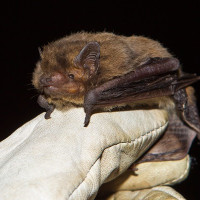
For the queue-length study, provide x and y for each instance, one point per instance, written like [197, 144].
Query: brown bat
[104, 71]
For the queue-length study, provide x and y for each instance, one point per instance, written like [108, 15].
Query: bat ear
[88, 58]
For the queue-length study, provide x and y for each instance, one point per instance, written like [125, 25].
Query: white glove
[59, 159]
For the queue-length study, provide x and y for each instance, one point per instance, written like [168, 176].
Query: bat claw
[44, 104]
[87, 120]
[47, 115]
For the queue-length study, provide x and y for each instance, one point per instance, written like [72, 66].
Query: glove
[60, 159]
[155, 193]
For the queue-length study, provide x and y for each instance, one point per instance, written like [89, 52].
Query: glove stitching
[170, 191]
[179, 178]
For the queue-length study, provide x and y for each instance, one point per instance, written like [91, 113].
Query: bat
[104, 71]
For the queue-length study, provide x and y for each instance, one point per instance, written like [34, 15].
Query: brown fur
[118, 56]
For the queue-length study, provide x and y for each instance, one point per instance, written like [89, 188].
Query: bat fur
[119, 55]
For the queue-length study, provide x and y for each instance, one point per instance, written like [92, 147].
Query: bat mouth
[49, 86]
[50, 89]
[56, 91]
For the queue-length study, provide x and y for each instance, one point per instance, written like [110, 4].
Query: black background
[31, 24]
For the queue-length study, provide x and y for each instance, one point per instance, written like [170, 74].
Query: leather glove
[60, 159]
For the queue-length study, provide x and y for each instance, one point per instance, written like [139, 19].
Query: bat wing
[173, 145]
[177, 140]
[158, 77]
[186, 105]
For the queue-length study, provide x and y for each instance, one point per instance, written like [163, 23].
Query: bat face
[60, 82]
[64, 75]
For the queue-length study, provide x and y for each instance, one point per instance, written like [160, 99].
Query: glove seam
[131, 141]
[179, 178]
[167, 189]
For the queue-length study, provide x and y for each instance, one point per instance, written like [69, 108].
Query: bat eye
[71, 76]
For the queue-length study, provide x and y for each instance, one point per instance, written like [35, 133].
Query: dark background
[31, 24]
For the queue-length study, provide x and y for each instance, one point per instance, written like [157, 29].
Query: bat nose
[45, 80]
[54, 79]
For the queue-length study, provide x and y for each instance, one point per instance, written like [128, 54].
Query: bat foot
[87, 120]
[44, 104]
[49, 111]
[47, 115]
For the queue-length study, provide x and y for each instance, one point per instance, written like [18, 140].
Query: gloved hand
[59, 159]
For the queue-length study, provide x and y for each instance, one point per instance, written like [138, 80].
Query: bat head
[65, 70]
